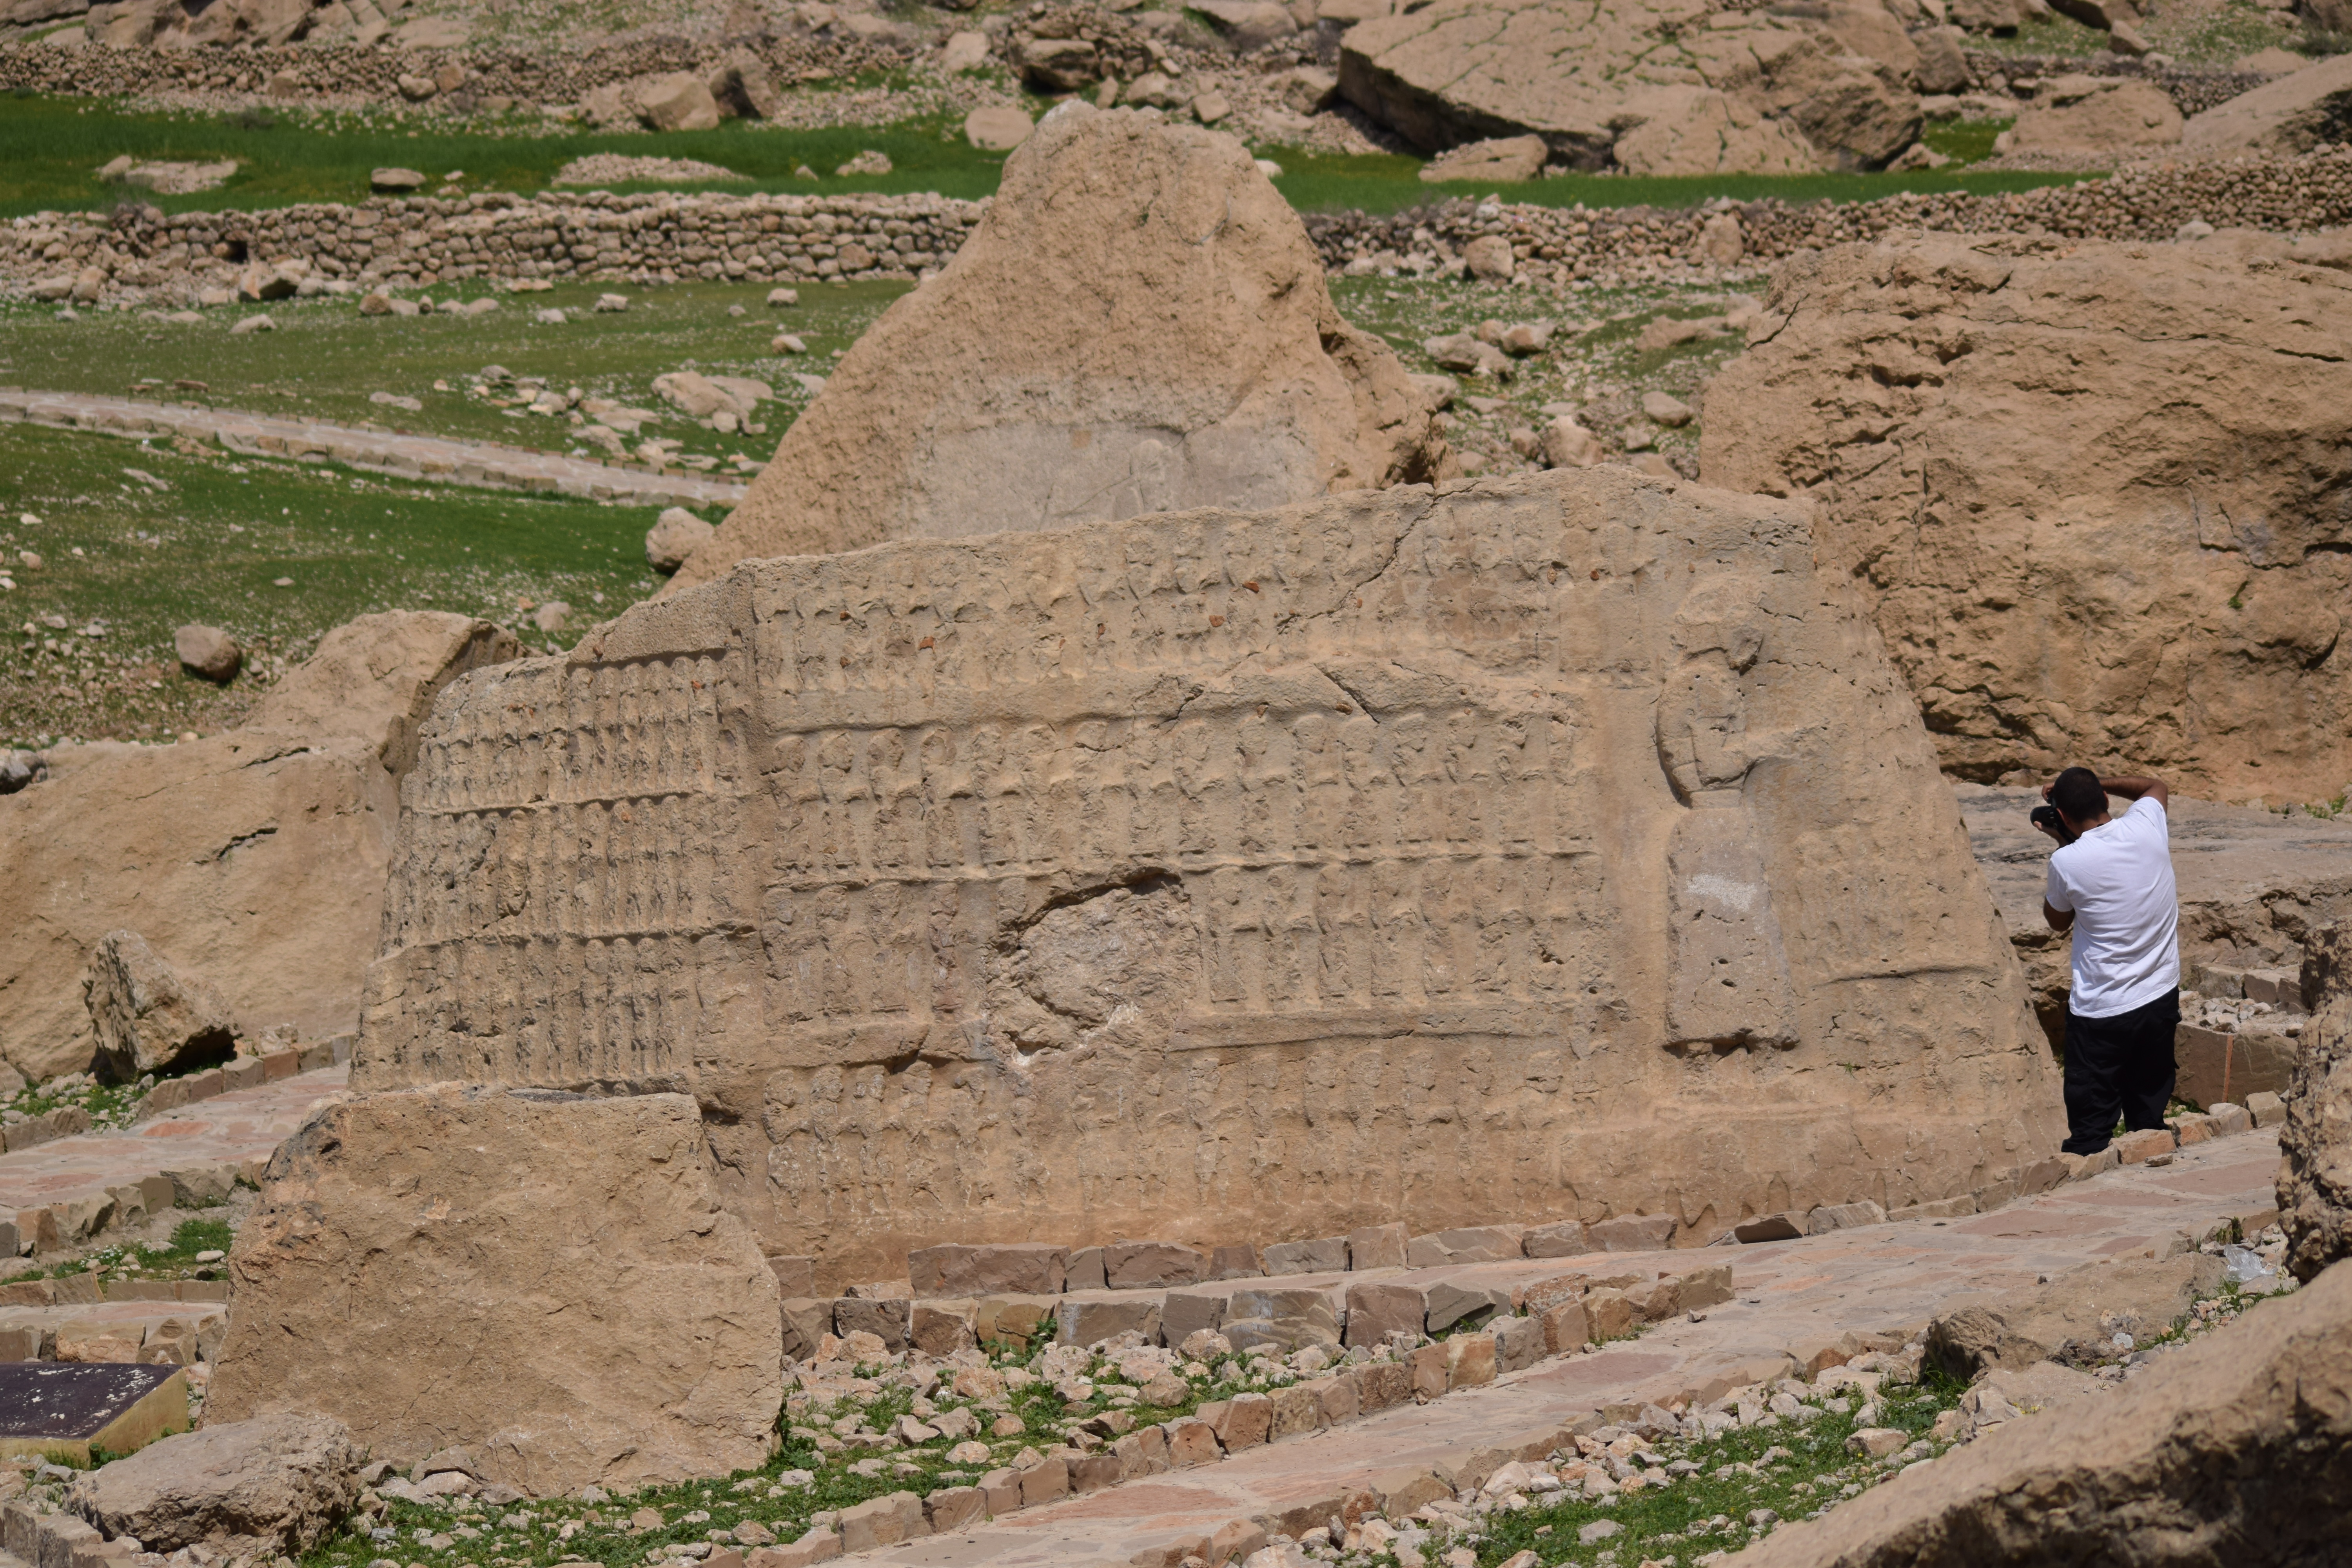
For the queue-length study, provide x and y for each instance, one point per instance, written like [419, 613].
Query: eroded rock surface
[285, 1478]
[2296, 113]
[2023, 458]
[1557, 848]
[148, 1015]
[1139, 324]
[2229, 1451]
[1652, 87]
[254, 858]
[2075, 1317]
[548, 1281]
[2315, 1184]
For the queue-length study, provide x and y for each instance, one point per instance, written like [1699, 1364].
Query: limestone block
[1036, 1268]
[1634, 1232]
[1288, 1319]
[1235, 1263]
[2289, 114]
[149, 1016]
[289, 1479]
[1152, 1264]
[795, 1276]
[1475, 1244]
[406, 1241]
[1085, 1270]
[954, 1507]
[1297, 1409]
[1383, 1384]
[1091, 1322]
[1376, 1246]
[1449, 1304]
[940, 1328]
[1184, 1314]
[1519, 1342]
[1044, 1481]
[806, 1320]
[1190, 1441]
[1328, 1255]
[2314, 1183]
[2096, 115]
[1565, 1327]
[1565, 1239]
[888, 1321]
[821, 949]
[1431, 1369]
[883, 1521]
[1469, 1359]
[1608, 1315]
[1247, 1421]
[1374, 1311]
[1008, 394]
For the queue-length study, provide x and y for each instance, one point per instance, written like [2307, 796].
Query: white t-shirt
[2118, 879]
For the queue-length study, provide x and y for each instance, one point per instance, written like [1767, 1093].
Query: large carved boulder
[254, 857]
[1557, 848]
[1139, 324]
[546, 1280]
[1646, 86]
[2094, 496]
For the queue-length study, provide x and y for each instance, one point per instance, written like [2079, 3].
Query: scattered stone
[868, 162]
[676, 534]
[998, 127]
[1567, 444]
[261, 323]
[964, 51]
[618, 168]
[170, 179]
[209, 652]
[286, 1479]
[149, 1016]
[1663, 408]
[2075, 1317]
[612, 301]
[396, 182]
[1503, 159]
[478, 1215]
[677, 100]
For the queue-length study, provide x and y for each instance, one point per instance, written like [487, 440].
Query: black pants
[2122, 1063]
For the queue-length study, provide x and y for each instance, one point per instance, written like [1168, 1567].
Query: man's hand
[2134, 787]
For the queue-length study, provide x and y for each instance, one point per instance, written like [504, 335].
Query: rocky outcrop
[2092, 496]
[1651, 87]
[147, 1015]
[285, 1479]
[1089, 870]
[2314, 1185]
[545, 1280]
[254, 857]
[2075, 1317]
[2230, 1450]
[2295, 113]
[1139, 324]
[2096, 118]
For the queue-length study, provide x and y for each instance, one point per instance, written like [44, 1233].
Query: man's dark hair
[2078, 794]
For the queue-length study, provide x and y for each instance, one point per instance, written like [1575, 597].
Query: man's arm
[2059, 920]
[2134, 787]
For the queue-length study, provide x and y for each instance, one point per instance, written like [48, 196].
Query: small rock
[376, 303]
[612, 301]
[394, 400]
[396, 180]
[550, 317]
[479, 307]
[674, 535]
[788, 343]
[1599, 1529]
[735, 312]
[1211, 107]
[1489, 255]
[783, 296]
[253, 324]
[289, 1479]
[1661, 409]
[998, 128]
[1569, 445]
[553, 615]
[209, 652]
[1876, 1442]
[868, 162]
[148, 1015]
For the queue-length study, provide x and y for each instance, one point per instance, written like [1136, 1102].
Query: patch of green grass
[51, 148]
[1387, 183]
[1964, 140]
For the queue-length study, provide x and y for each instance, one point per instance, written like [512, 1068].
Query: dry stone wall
[779, 237]
[1559, 846]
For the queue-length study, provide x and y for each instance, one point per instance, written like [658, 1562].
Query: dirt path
[482, 464]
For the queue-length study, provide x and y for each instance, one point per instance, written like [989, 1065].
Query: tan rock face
[2092, 496]
[2092, 114]
[287, 1479]
[2292, 114]
[147, 1015]
[1260, 875]
[253, 858]
[1648, 86]
[2315, 1184]
[2234, 1437]
[548, 1281]
[1139, 324]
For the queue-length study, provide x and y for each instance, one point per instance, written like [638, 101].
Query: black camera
[2047, 816]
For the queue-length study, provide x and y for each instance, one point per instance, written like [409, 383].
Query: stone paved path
[230, 1129]
[482, 464]
[1881, 1279]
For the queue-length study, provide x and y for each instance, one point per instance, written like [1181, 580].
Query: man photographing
[2111, 885]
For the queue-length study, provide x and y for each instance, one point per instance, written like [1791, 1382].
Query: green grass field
[51, 148]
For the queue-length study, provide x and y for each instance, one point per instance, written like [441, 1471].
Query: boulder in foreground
[2315, 1184]
[287, 1479]
[2295, 113]
[544, 1280]
[1139, 324]
[2230, 1452]
[148, 1015]
[2019, 456]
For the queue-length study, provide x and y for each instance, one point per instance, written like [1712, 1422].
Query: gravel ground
[611, 168]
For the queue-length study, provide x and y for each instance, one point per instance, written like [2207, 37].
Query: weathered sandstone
[254, 858]
[287, 1480]
[1653, 86]
[2314, 1185]
[148, 1015]
[548, 1281]
[2093, 495]
[1139, 324]
[2295, 113]
[1559, 848]
[2230, 1450]
[2098, 117]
